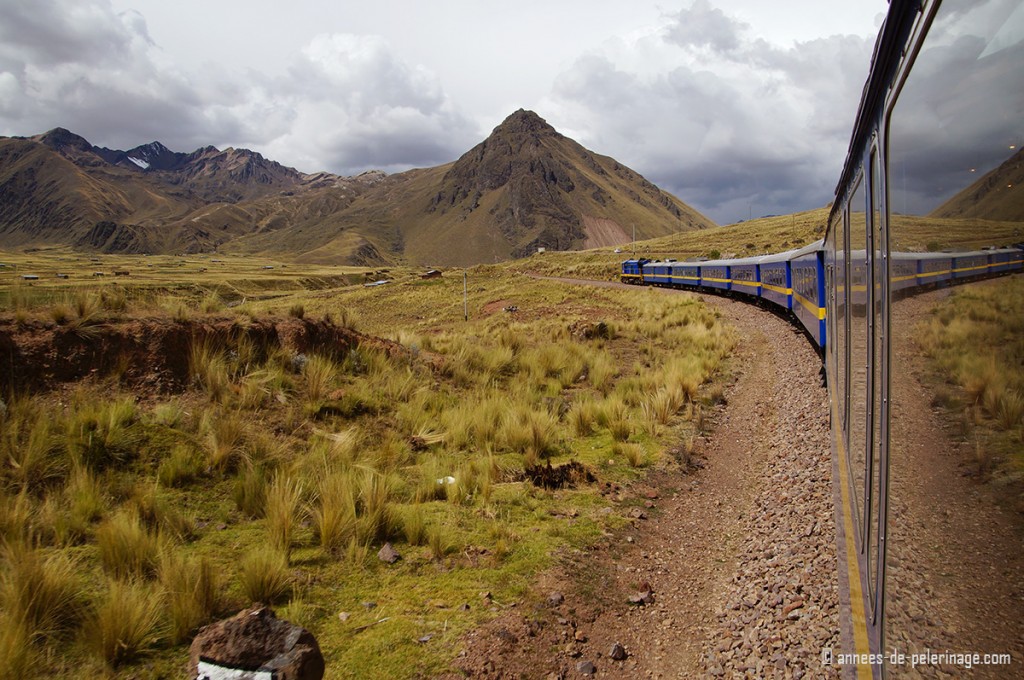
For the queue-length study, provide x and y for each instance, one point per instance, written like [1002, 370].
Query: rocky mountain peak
[523, 121]
[60, 139]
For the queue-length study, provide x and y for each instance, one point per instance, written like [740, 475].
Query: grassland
[130, 517]
[975, 343]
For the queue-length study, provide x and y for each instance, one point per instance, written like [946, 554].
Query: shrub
[264, 576]
[125, 622]
[297, 310]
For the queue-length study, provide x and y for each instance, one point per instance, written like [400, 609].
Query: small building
[121, 272]
[432, 274]
[62, 276]
[30, 277]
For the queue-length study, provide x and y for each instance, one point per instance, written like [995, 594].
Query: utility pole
[465, 296]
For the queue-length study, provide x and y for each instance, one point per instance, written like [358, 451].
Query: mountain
[998, 195]
[524, 187]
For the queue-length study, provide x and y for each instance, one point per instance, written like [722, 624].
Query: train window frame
[915, 42]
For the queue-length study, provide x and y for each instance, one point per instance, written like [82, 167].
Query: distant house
[121, 272]
[432, 274]
[30, 277]
[62, 276]
[268, 266]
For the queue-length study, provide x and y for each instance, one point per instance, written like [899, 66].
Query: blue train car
[686, 274]
[1000, 260]
[746, 276]
[969, 265]
[776, 284]
[807, 275]
[903, 271]
[934, 268]
[659, 273]
[715, 274]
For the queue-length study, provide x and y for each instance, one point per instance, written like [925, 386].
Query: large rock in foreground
[256, 641]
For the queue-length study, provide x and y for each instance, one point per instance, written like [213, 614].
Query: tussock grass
[320, 374]
[181, 467]
[333, 511]
[17, 655]
[30, 446]
[264, 576]
[250, 491]
[127, 548]
[125, 622]
[103, 434]
[975, 341]
[282, 511]
[224, 437]
[530, 432]
[209, 369]
[40, 592]
[191, 586]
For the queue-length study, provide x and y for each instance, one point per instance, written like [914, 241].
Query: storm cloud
[734, 125]
[701, 100]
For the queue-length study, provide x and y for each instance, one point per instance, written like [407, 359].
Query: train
[929, 196]
[794, 282]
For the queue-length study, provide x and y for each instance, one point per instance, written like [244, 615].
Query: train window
[857, 299]
[954, 141]
[877, 391]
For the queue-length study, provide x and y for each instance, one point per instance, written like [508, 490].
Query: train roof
[790, 254]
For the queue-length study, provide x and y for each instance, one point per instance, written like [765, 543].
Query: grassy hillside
[130, 515]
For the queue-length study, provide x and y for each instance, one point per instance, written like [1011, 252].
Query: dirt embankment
[151, 354]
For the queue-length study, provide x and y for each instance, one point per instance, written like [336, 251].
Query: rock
[256, 640]
[642, 598]
[586, 668]
[388, 554]
[636, 513]
[580, 636]
[555, 599]
[618, 652]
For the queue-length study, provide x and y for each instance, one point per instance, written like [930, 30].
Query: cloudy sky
[739, 107]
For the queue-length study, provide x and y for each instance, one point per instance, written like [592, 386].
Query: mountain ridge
[524, 187]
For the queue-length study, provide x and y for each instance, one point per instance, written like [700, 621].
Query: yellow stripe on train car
[811, 307]
[777, 289]
[861, 643]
